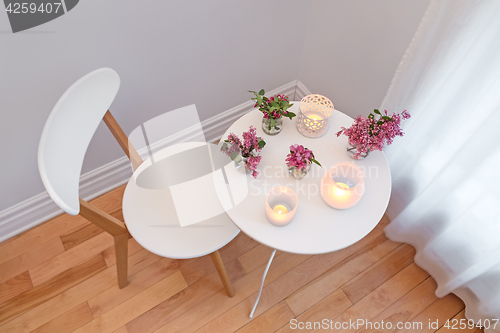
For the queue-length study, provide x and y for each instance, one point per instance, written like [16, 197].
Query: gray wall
[174, 53]
[168, 53]
[352, 49]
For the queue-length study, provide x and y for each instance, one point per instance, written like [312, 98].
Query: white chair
[65, 138]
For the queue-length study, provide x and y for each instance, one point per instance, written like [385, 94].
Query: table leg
[262, 283]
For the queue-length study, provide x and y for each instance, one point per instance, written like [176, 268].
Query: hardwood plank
[76, 237]
[269, 321]
[47, 290]
[15, 286]
[122, 329]
[214, 306]
[137, 305]
[69, 321]
[382, 297]
[380, 272]
[256, 257]
[199, 268]
[329, 307]
[279, 289]
[109, 253]
[139, 282]
[118, 214]
[30, 259]
[74, 296]
[57, 226]
[286, 283]
[183, 301]
[407, 307]
[460, 317]
[339, 274]
[440, 310]
[73, 257]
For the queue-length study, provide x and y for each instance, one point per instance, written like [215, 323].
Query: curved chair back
[67, 134]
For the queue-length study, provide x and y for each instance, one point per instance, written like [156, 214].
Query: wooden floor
[60, 277]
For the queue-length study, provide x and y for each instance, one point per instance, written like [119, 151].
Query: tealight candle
[343, 185]
[314, 116]
[280, 209]
[281, 204]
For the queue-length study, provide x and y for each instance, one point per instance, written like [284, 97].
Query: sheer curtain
[446, 169]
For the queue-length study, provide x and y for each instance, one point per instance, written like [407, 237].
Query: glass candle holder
[281, 205]
[314, 116]
[343, 185]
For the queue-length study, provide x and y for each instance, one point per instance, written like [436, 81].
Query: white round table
[316, 228]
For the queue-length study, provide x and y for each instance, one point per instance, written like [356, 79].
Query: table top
[154, 219]
[316, 228]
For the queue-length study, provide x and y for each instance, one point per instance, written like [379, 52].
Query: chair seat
[152, 218]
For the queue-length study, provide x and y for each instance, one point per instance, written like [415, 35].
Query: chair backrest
[67, 134]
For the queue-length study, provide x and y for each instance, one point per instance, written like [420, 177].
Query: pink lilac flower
[368, 134]
[248, 148]
[299, 157]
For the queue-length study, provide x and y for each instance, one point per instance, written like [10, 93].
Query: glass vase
[299, 173]
[269, 129]
[241, 165]
[352, 151]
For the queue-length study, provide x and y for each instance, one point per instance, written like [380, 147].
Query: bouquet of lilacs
[374, 132]
[246, 150]
[300, 157]
[273, 107]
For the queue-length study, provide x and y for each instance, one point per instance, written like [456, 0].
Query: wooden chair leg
[219, 266]
[121, 252]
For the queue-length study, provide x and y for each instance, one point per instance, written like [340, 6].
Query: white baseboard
[40, 208]
[301, 91]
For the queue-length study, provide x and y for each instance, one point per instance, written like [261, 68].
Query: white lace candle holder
[343, 185]
[314, 116]
[281, 205]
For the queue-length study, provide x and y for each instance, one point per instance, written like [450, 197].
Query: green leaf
[386, 118]
[313, 160]
[273, 123]
[262, 143]
[376, 111]
[262, 92]
[235, 156]
[380, 122]
[273, 103]
[291, 115]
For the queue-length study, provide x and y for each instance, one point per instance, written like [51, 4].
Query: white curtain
[446, 169]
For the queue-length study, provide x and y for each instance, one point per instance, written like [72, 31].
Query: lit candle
[280, 209]
[281, 204]
[336, 192]
[314, 116]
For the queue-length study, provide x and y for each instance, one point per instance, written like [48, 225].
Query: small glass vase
[299, 173]
[352, 150]
[241, 165]
[272, 130]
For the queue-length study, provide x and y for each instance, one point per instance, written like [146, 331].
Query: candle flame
[280, 209]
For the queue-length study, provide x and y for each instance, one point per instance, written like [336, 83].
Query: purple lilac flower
[248, 148]
[299, 157]
[373, 134]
